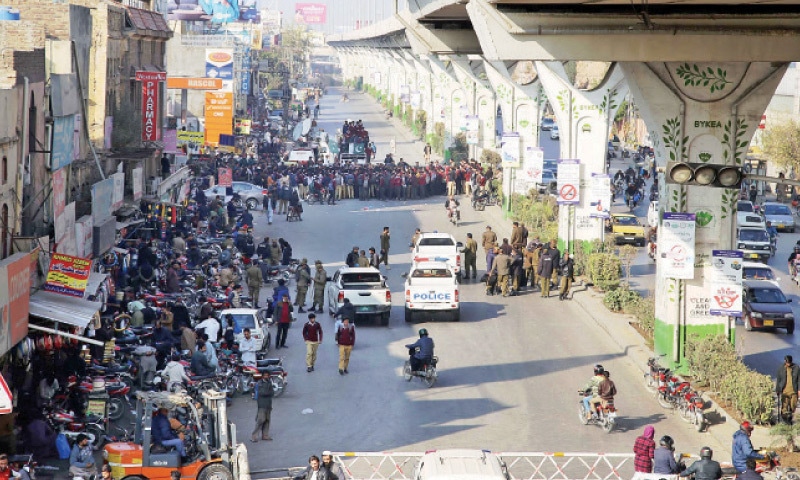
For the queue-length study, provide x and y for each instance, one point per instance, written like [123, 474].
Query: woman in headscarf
[644, 449]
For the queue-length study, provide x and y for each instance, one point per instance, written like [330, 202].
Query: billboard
[15, 286]
[219, 64]
[310, 13]
[102, 200]
[676, 245]
[63, 141]
[214, 11]
[68, 275]
[151, 129]
[218, 115]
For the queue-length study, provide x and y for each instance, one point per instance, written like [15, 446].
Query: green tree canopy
[781, 144]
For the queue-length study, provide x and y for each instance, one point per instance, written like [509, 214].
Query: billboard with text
[310, 13]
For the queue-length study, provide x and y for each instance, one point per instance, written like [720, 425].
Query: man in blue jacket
[421, 351]
[742, 448]
[163, 434]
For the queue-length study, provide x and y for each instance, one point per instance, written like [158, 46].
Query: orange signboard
[194, 83]
[219, 115]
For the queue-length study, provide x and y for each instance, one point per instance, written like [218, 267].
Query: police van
[431, 291]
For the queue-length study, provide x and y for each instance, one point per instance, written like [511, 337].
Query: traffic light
[704, 174]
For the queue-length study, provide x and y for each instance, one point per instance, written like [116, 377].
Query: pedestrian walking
[786, 387]
[548, 263]
[385, 247]
[312, 334]
[567, 270]
[502, 268]
[345, 338]
[470, 257]
[644, 450]
[264, 395]
[254, 281]
[488, 240]
[269, 206]
[283, 314]
[320, 280]
[303, 278]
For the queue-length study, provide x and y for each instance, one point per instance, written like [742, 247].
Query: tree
[781, 144]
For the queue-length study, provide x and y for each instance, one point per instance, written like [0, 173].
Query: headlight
[764, 247]
[741, 245]
[756, 315]
[789, 315]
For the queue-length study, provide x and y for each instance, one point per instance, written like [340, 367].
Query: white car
[254, 319]
[365, 288]
[432, 288]
[652, 214]
[759, 271]
[743, 209]
[461, 464]
[439, 247]
[554, 133]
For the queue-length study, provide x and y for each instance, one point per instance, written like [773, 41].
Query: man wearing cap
[264, 394]
[742, 448]
[303, 277]
[488, 240]
[312, 334]
[254, 279]
[333, 467]
[786, 387]
[320, 280]
[470, 257]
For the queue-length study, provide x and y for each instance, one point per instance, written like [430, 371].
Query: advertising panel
[59, 202]
[68, 275]
[218, 115]
[137, 182]
[310, 13]
[170, 140]
[151, 127]
[15, 286]
[194, 83]
[724, 278]
[191, 141]
[119, 190]
[526, 177]
[510, 150]
[569, 182]
[102, 200]
[63, 141]
[219, 63]
[225, 177]
[676, 245]
[600, 195]
[214, 11]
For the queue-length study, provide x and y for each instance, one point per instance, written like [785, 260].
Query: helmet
[598, 369]
[423, 332]
[746, 426]
[706, 452]
[667, 441]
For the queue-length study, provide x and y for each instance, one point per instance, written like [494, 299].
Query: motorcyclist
[452, 207]
[421, 351]
[631, 191]
[664, 457]
[593, 386]
[742, 448]
[795, 255]
[705, 468]
[773, 233]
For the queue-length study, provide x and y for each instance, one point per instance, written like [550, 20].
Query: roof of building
[149, 23]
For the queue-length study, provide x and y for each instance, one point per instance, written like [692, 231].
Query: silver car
[780, 215]
[251, 195]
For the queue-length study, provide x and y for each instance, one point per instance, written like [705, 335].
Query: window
[4, 173]
[4, 229]
[436, 242]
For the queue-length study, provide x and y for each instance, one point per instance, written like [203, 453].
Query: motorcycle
[692, 409]
[652, 248]
[247, 375]
[606, 416]
[427, 374]
[68, 423]
[454, 214]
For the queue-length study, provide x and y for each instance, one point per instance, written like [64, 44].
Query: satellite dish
[297, 132]
[306, 126]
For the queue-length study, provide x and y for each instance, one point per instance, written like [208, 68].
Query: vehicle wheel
[232, 386]
[252, 203]
[664, 402]
[430, 377]
[687, 414]
[699, 421]
[215, 471]
[409, 316]
[99, 436]
[278, 385]
[790, 329]
[407, 371]
[116, 408]
[385, 318]
[608, 425]
[649, 383]
[582, 413]
[747, 325]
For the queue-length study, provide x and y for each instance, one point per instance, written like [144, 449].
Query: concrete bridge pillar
[701, 113]
[481, 101]
[584, 120]
[449, 100]
[422, 93]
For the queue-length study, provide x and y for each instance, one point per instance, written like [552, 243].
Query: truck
[366, 289]
[352, 151]
[439, 247]
[431, 289]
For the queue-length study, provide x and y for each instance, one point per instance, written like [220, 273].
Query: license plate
[752, 255]
[364, 309]
[780, 225]
[769, 323]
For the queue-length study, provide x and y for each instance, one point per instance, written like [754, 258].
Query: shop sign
[15, 287]
[68, 275]
[151, 130]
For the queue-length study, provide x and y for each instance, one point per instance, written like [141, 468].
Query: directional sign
[569, 180]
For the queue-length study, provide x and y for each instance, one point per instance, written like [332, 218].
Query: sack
[492, 280]
[62, 445]
[484, 277]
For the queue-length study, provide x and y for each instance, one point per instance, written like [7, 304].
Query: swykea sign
[151, 130]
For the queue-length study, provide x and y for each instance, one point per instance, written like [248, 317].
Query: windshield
[747, 235]
[243, 321]
[365, 277]
[547, 121]
[777, 210]
[756, 273]
[630, 221]
[431, 273]
[744, 207]
[767, 295]
[436, 242]
[752, 219]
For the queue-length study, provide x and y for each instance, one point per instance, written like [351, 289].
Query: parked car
[759, 271]
[626, 229]
[547, 124]
[549, 182]
[554, 133]
[254, 319]
[780, 215]
[765, 306]
[251, 195]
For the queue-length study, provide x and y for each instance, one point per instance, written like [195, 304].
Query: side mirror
[459, 245]
[789, 301]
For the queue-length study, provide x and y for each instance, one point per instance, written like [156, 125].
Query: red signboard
[15, 287]
[151, 130]
[225, 177]
[68, 275]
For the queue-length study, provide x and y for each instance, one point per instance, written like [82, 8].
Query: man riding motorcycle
[452, 208]
[705, 468]
[742, 448]
[421, 351]
[594, 387]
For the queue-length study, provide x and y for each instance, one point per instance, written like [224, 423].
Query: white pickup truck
[439, 247]
[432, 289]
[365, 288]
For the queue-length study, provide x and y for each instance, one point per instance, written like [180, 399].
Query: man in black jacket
[264, 401]
[567, 271]
[352, 258]
[787, 386]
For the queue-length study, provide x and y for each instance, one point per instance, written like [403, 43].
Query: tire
[384, 319]
[457, 315]
[99, 436]
[232, 386]
[662, 400]
[747, 325]
[649, 383]
[215, 471]
[699, 420]
[116, 408]
[687, 415]
[409, 316]
[278, 385]
[430, 377]
[582, 413]
[407, 371]
[790, 329]
[608, 425]
[252, 203]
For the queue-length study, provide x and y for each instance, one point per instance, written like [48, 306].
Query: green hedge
[604, 271]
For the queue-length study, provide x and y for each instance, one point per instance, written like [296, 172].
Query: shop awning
[93, 283]
[62, 308]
